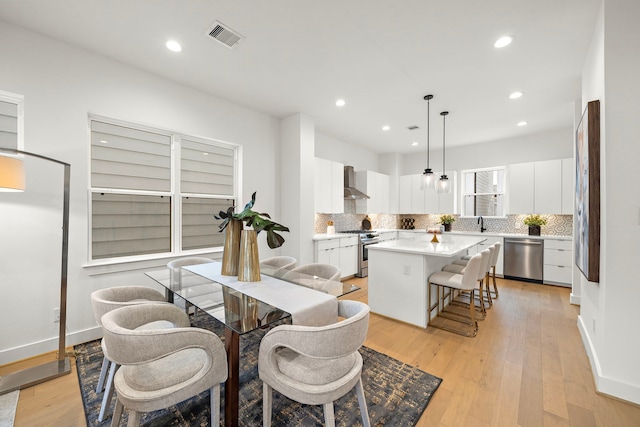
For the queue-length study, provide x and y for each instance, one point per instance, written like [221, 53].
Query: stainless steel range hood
[350, 190]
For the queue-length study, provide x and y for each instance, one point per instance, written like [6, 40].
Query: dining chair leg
[267, 404]
[329, 417]
[108, 392]
[495, 286]
[134, 419]
[117, 413]
[103, 374]
[215, 405]
[363, 404]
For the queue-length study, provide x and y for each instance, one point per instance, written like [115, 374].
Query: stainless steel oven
[363, 254]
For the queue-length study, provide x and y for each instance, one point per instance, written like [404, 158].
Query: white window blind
[206, 169]
[131, 159]
[8, 125]
[127, 225]
[148, 198]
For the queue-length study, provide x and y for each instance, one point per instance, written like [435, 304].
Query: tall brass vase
[231, 254]
[249, 265]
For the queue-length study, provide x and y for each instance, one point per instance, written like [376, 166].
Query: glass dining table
[243, 307]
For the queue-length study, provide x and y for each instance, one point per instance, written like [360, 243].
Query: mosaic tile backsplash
[558, 225]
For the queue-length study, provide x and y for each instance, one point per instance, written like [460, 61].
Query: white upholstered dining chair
[176, 275]
[299, 362]
[280, 264]
[102, 302]
[162, 367]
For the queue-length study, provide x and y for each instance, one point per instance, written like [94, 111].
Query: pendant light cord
[428, 129]
[444, 117]
[428, 98]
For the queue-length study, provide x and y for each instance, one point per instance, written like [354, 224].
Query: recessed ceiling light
[522, 123]
[414, 143]
[503, 41]
[174, 46]
[340, 103]
[104, 141]
[205, 154]
[386, 127]
[515, 95]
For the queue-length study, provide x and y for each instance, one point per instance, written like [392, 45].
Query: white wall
[544, 146]
[343, 152]
[609, 75]
[61, 84]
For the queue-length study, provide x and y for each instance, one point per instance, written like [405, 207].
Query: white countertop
[449, 246]
[324, 236]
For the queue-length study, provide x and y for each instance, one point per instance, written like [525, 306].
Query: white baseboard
[45, 346]
[574, 299]
[605, 385]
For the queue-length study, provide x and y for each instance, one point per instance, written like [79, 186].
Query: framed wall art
[587, 193]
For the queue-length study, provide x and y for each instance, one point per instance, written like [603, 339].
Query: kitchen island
[399, 269]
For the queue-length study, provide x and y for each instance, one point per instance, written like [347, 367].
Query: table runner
[306, 306]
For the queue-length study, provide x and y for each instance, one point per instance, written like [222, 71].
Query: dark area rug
[396, 393]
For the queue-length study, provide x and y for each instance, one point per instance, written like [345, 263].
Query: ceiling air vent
[224, 34]
[413, 127]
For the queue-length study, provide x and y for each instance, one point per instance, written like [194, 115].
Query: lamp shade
[444, 185]
[428, 180]
[11, 174]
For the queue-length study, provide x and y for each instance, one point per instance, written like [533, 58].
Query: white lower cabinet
[328, 252]
[387, 235]
[348, 256]
[340, 252]
[558, 262]
[484, 245]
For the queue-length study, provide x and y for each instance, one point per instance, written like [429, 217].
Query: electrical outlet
[406, 269]
[56, 315]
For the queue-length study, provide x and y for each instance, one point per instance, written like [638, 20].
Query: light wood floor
[527, 367]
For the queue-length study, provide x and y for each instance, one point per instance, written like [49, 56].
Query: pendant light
[428, 177]
[444, 185]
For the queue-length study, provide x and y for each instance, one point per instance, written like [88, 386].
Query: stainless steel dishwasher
[523, 259]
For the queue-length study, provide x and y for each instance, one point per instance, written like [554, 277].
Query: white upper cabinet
[329, 186]
[568, 189]
[404, 194]
[540, 187]
[548, 187]
[376, 186]
[417, 195]
[414, 200]
[521, 185]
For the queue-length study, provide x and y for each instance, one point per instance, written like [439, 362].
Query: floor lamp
[12, 178]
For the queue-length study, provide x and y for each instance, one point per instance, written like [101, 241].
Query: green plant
[447, 219]
[259, 221]
[534, 219]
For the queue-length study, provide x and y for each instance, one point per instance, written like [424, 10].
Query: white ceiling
[381, 56]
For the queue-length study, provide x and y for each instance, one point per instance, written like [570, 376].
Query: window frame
[464, 193]
[18, 100]
[174, 192]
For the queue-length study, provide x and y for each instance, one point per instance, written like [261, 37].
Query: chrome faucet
[481, 222]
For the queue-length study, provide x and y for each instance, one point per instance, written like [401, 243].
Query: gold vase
[249, 265]
[231, 254]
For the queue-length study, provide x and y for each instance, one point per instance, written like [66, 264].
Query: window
[155, 192]
[483, 192]
[11, 124]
